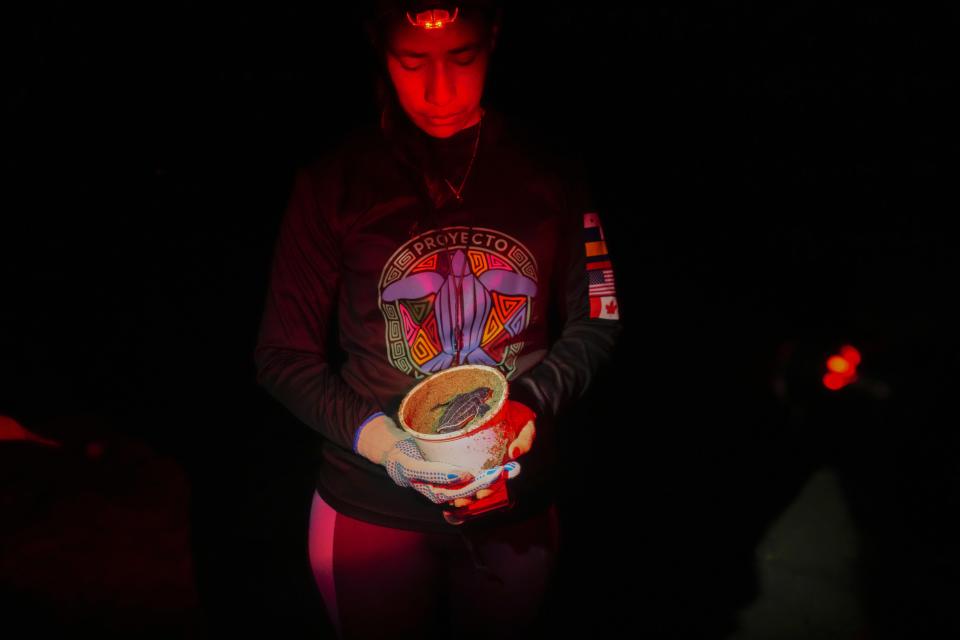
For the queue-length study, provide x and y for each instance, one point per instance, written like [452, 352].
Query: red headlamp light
[433, 18]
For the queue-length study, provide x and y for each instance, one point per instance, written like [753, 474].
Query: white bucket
[482, 443]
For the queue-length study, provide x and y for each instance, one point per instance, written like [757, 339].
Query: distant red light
[836, 381]
[850, 354]
[842, 368]
[839, 364]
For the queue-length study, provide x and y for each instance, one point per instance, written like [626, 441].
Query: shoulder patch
[602, 290]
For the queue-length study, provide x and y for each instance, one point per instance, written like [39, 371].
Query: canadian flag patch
[600, 287]
[604, 307]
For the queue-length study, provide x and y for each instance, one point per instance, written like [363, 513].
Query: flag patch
[601, 282]
[601, 289]
[604, 307]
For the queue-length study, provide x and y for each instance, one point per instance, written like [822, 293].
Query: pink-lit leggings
[380, 582]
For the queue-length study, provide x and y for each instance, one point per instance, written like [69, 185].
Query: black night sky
[777, 180]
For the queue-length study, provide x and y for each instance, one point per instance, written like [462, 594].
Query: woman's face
[439, 74]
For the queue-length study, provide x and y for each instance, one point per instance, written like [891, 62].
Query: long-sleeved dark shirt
[375, 251]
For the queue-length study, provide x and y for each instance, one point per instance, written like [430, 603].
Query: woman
[434, 239]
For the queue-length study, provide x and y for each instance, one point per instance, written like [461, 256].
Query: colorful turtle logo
[463, 305]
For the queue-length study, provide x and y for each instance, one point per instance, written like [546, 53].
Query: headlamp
[433, 18]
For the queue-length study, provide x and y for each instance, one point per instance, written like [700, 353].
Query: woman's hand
[519, 414]
[457, 495]
[381, 441]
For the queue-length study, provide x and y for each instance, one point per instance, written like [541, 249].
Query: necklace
[476, 145]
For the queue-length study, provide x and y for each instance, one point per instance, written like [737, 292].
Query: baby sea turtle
[462, 408]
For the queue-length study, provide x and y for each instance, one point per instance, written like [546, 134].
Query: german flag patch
[602, 292]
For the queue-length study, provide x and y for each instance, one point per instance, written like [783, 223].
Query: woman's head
[435, 57]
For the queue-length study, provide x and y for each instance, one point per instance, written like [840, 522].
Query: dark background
[776, 179]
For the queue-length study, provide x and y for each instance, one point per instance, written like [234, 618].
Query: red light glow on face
[439, 74]
[841, 368]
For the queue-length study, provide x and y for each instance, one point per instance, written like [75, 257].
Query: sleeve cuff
[356, 436]
[524, 395]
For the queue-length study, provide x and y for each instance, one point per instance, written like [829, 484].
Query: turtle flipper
[442, 404]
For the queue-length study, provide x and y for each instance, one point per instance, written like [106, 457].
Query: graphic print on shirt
[457, 295]
[603, 294]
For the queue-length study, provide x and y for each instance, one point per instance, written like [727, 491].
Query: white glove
[381, 441]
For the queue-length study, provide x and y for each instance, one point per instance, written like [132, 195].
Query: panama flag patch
[601, 289]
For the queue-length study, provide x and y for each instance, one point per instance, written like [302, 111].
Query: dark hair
[382, 15]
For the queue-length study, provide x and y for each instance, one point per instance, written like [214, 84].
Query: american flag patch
[601, 282]
[601, 290]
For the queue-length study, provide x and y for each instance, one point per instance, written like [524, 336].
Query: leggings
[379, 582]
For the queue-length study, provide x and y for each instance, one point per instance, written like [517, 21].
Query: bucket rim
[469, 429]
